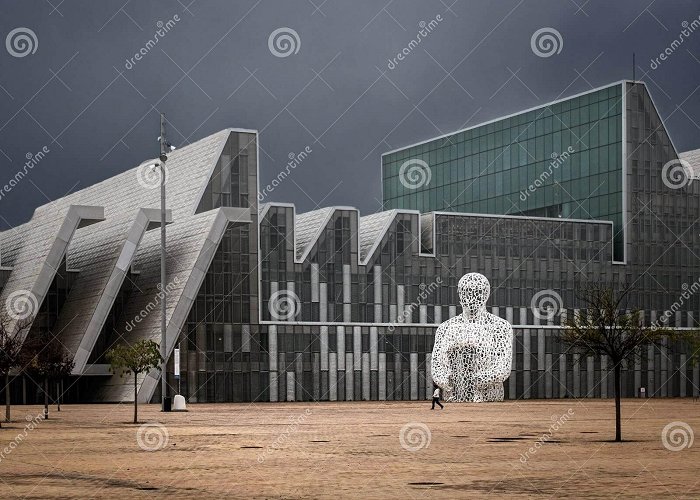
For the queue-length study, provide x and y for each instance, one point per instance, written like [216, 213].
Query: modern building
[269, 305]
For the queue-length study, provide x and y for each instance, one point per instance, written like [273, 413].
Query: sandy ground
[353, 450]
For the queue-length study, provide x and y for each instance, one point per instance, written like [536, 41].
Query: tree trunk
[7, 397]
[58, 396]
[136, 401]
[618, 388]
[46, 398]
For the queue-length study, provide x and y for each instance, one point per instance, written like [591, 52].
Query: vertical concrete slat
[413, 358]
[347, 285]
[349, 378]
[382, 376]
[378, 294]
[365, 376]
[323, 302]
[332, 377]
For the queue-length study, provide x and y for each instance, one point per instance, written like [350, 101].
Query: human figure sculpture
[473, 351]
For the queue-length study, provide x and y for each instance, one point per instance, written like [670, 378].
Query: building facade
[266, 304]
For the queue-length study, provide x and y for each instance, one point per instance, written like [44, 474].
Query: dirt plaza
[534, 448]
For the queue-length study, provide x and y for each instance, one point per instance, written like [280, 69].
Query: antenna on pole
[634, 69]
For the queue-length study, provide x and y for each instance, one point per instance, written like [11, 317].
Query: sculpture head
[474, 290]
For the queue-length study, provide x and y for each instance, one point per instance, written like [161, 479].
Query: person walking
[436, 397]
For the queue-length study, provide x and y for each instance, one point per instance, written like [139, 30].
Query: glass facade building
[559, 160]
[331, 305]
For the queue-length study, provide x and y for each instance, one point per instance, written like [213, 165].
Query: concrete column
[422, 314]
[290, 386]
[314, 282]
[324, 348]
[272, 359]
[604, 377]
[382, 376]
[562, 376]
[428, 376]
[365, 376]
[590, 376]
[340, 335]
[373, 348]
[323, 302]
[413, 359]
[332, 377]
[357, 348]
[400, 306]
[437, 314]
[349, 378]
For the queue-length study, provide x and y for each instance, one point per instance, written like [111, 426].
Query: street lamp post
[164, 148]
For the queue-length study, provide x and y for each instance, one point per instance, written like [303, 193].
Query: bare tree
[606, 326]
[49, 360]
[10, 353]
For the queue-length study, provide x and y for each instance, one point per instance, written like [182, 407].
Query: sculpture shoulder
[501, 323]
[450, 322]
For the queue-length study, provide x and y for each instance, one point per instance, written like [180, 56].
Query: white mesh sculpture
[473, 351]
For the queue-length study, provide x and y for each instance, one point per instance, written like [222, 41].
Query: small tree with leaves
[605, 326]
[141, 357]
[10, 353]
[48, 360]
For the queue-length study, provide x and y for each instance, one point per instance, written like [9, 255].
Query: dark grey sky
[214, 69]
